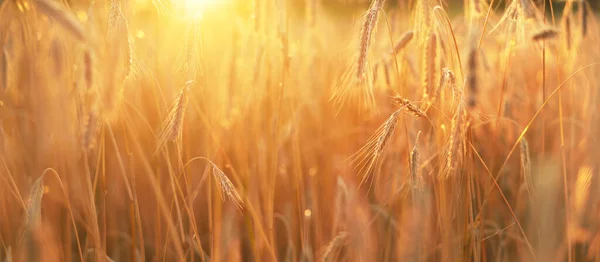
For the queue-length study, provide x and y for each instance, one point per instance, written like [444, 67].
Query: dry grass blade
[330, 252]
[172, 126]
[544, 34]
[54, 11]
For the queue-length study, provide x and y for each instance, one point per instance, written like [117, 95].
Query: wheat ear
[172, 126]
[544, 34]
[54, 11]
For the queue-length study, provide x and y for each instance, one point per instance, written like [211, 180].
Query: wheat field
[299, 130]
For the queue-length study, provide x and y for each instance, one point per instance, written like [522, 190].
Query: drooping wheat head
[172, 127]
[408, 105]
[227, 188]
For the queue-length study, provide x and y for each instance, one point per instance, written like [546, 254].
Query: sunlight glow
[199, 6]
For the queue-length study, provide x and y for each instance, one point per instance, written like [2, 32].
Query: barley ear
[227, 188]
[408, 105]
[331, 251]
[405, 39]
[430, 70]
[65, 19]
[415, 169]
[172, 127]
[33, 219]
[545, 34]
